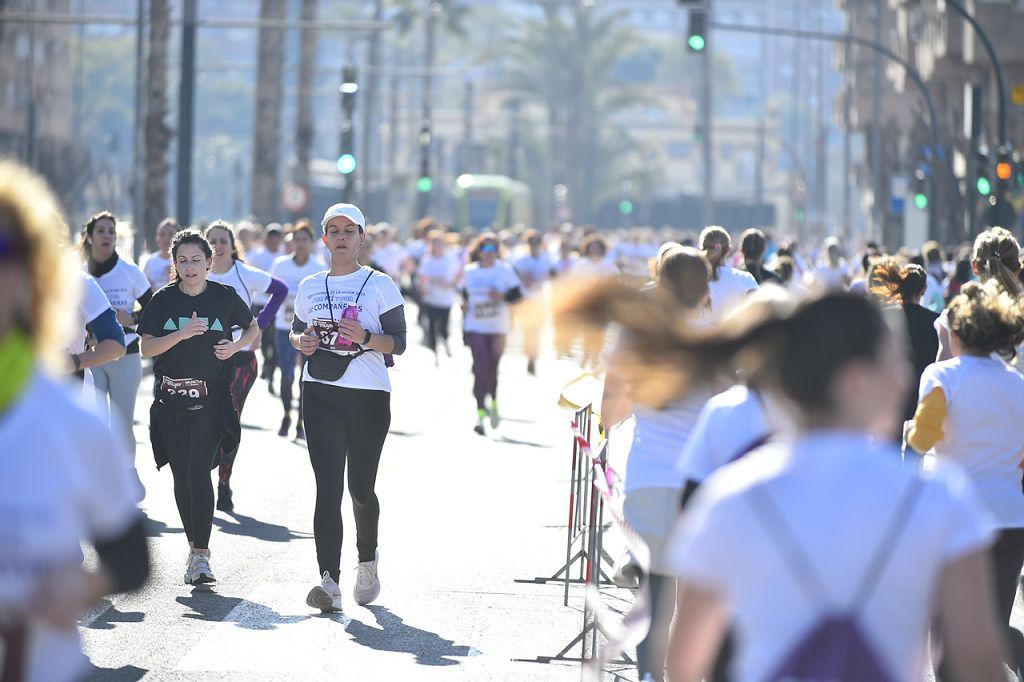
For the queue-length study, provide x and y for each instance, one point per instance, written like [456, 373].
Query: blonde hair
[29, 210]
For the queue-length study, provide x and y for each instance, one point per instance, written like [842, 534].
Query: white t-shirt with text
[123, 285]
[319, 302]
[483, 315]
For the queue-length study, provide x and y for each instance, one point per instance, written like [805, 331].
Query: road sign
[294, 197]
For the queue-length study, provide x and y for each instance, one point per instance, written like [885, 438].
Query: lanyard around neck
[327, 290]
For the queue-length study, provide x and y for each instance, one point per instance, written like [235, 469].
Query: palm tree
[269, 98]
[567, 62]
[157, 133]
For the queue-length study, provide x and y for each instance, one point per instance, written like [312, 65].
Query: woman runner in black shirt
[187, 328]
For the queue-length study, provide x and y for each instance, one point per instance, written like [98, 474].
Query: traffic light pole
[707, 149]
[186, 112]
[933, 227]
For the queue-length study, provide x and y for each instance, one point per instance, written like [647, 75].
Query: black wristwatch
[367, 339]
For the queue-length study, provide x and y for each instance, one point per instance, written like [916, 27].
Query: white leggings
[117, 387]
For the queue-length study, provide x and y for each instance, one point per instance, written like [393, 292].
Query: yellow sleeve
[928, 421]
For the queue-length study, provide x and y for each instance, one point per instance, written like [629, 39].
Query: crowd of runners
[826, 459]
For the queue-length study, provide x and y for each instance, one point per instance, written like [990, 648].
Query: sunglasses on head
[489, 248]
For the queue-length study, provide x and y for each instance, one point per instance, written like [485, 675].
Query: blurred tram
[491, 201]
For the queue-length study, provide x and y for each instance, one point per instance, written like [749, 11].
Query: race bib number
[330, 339]
[193, 389]
[485, 311]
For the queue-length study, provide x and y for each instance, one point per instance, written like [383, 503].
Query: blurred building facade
[948, 55]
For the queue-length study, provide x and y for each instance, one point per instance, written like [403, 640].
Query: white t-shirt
[658, 438]
[123, 285]
[157, 270]
[248, 282]
[291, 273]
[91, 305]
[379, 296]
[264, 260]
[934, 299]
[586, 267]
[830, 278]
[59, 487]
[482, 314]
[729, 289]
[534, 269]
[440, 274]
[730, 425]
[837, 497]
[984, 429]
[391, 258]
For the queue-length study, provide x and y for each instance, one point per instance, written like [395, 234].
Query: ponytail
[996, 257]
[798, 348]
[715, 244]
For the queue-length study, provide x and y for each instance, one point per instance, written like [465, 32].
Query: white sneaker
[367, 586]
[326, 596]
[201, 571]
[188, 568]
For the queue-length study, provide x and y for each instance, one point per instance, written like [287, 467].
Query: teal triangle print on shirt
[170, 326]
[216, 326]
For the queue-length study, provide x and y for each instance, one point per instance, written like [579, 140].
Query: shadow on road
[513, 441]
[394, 635]
[254, 528]
[109, 618]
[155, 527]
[128, 673]
[207, 604]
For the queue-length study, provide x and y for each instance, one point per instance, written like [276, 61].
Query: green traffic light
[424, 184]
[799, 215]
[625, 207]
[984, 186]
[921, 201]
[346, 164]
[696, 43]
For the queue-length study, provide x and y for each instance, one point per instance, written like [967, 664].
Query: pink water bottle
[349, 312]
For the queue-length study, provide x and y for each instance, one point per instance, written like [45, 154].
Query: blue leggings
[285, 355]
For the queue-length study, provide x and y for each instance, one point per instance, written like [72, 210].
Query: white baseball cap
[350, 211]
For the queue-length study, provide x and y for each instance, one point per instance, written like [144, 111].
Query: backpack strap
[885, 550]
[771, 518]
[801, 565]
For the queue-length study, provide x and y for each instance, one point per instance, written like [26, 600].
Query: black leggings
[437, 324]
[191, 440]
[344, 424]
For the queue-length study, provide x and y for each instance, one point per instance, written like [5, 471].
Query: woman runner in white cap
[347, 322]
